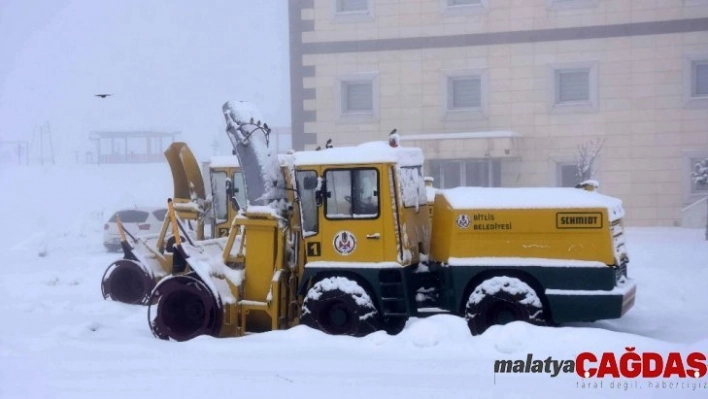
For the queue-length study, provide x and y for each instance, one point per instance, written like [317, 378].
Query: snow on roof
[531, 198]
[223, 161]
[139, 207]
[367, 153]
[464, 135]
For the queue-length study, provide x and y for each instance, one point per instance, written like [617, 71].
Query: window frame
[450, 76]
[357, 116]
[689, 80]
[573, 106]
[378, 190]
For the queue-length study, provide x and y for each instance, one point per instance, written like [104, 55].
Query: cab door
[351, 222]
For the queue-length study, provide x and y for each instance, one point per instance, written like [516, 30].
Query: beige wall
[415, 18]
[641, 110]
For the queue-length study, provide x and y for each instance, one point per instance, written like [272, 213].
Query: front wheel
[339, 306]
[501, 300]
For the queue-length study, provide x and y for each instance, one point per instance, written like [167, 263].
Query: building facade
[503, 92]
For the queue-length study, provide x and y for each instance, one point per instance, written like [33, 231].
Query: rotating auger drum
[183, 307]
[127, 280]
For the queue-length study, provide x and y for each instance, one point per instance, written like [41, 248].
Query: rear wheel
[501, 300]
[340, 306]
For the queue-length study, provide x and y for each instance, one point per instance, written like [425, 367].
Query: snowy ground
[60, 339]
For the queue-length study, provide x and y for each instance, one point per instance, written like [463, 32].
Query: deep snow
[60, 339]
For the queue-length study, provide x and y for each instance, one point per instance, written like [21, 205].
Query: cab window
[307, 192]
[240, 189]
[219, 201]
[352, 193]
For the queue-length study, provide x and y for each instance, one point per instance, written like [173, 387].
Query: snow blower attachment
[341, 240]
[207, 293]
[147, 259]
[127, 280]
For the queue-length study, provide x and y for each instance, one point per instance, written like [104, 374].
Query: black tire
[395, 325]
[340, 306]
[500, 300]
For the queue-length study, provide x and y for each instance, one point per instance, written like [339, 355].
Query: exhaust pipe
[183, 307]
[126, 281]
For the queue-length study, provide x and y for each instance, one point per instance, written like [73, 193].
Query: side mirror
[310, 182]
[229, 188]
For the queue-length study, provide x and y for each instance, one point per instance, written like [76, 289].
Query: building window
[352, 10]
[466, 172]
[343, 6]
[457, 7]
[574, 86]
[358, 97]
[567, 174]
[699, 79]
[695, 74]
[456, 3]
[699, 184]
[571, 4]
[465, 91]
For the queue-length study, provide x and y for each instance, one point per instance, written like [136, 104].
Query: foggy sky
[170, 65]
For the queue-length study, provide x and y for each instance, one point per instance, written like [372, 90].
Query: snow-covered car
[137, 221]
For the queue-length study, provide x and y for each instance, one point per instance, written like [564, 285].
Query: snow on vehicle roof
[142, 208]
[462, 135]
[372, 152]
[223, 161]
[531, 198]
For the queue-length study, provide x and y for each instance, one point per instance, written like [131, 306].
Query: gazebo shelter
[131, 146]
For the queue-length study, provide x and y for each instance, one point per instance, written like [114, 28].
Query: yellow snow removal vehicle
[341, 240]
[147, 259]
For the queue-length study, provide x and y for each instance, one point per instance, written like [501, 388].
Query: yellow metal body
[573, 234]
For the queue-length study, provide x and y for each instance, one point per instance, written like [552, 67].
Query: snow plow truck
[147, 259]
[341, 240]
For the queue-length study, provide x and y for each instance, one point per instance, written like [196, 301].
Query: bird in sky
[102, 95]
